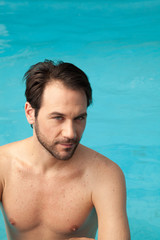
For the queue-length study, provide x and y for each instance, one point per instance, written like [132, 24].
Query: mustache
[69, 141]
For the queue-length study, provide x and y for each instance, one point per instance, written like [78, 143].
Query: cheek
[49, 129]
[53, 131]
[81, 129]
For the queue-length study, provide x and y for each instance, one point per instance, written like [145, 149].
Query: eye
[81, 118]
[60, 118]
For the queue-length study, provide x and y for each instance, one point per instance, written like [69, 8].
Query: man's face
[61, 120]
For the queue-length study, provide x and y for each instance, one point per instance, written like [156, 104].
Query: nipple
[74, 228]
[12, 222]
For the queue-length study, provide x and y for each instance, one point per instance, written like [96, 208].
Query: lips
[67, 145]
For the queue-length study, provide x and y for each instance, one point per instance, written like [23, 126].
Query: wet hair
[40, 74]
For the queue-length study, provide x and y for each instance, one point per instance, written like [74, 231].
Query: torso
[50, 206]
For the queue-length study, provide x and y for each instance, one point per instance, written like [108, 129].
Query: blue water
[117, 43]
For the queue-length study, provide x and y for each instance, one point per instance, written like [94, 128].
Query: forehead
[56, 96]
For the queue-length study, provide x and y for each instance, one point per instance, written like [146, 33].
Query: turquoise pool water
[117, 43]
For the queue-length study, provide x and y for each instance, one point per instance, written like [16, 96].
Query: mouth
[67, 145]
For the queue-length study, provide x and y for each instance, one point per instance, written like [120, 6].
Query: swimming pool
[117, 43]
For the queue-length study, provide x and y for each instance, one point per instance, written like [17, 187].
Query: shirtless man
[52, 187]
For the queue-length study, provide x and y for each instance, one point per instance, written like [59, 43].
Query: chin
[65, 157]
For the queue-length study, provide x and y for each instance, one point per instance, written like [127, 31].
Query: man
[52, 187]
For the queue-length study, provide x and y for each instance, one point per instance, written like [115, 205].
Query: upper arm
[3, 170]
[0, 191]
[1, 183]
[109, 199]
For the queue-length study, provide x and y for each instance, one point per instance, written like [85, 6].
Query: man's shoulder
[102, 168]
[6, 157]
[9, 151]
[6, 149]
[6, 153]
[99, 161]
[106, 178]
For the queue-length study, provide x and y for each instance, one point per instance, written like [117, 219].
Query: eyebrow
[56, 113]
[63, 115]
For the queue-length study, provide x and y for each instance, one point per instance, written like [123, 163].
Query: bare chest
[56, 206]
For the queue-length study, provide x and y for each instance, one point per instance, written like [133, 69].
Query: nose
[69, 130]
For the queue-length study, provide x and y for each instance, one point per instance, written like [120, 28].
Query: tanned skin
[52, 187]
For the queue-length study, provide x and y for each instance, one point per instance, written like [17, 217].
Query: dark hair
[42, 73]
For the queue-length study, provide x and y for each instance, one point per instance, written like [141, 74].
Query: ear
[30, 113]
